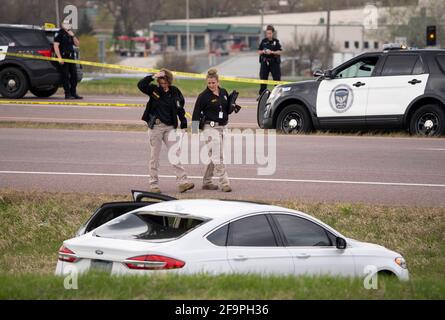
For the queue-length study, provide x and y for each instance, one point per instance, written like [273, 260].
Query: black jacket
[167, 106]
[272, 45]
[66, 44]
[209, 106]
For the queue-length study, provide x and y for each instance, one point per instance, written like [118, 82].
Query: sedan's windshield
[148, 226]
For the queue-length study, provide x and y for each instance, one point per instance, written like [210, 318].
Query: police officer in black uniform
[64, 43]
[211, 113]
[270, 51]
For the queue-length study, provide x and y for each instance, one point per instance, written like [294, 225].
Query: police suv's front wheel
[294, 119]
[428, 120]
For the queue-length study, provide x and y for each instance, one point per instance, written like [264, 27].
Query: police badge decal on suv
[394, 89]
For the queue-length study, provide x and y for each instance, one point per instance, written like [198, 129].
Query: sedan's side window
[219, 237]
[362, 68]
[300, 232]
[254, 231]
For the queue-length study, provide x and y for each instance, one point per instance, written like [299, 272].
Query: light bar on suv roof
[394, 46]
[48, 25]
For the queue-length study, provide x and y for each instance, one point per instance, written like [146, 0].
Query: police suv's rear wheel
[428, 120]
[44, 93]
[294, 119]
[13, 83]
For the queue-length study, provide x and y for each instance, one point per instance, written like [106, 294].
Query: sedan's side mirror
[340, 243]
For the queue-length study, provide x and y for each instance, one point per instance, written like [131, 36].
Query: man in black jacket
[64, 43]
[165, 106]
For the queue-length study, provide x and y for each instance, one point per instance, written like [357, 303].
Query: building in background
[347, 31]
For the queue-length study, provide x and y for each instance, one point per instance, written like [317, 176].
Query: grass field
[189, 88]
[34, 224]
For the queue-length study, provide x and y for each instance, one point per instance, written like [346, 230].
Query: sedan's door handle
[240, 258]
[415, 81]
[359, 84]
[303, 256]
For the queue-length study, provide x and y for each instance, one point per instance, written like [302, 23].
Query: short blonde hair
[213, 74]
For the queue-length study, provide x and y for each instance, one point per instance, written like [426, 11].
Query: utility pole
[57, 14]
[262, 20]
[188, 27]
[328, 33]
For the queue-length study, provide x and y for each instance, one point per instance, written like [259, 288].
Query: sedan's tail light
[153, 262]
[45, 53]
[66, 255]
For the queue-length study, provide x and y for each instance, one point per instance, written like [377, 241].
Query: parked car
[18, 75]
[397, 88]
[217, 237]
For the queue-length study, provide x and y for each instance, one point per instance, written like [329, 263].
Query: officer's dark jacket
[209, 105]
[66, 43]
[166, 106]
[272, 45]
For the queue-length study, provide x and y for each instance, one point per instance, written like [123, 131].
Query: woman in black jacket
[212, 109]
[165, 106]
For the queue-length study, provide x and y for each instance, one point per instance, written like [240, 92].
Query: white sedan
[221, 236]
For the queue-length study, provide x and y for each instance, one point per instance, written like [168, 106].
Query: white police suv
[398, 88]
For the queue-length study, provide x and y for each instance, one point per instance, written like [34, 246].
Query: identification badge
[220, 115]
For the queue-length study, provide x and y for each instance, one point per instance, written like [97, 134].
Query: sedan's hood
[360, 244]
[357, 243]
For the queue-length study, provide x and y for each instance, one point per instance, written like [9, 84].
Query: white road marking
[433, 149]
[129, 175]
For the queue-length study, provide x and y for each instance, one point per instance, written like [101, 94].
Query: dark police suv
[18, 75]
[398, 88]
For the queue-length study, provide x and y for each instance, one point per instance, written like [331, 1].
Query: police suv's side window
[402, 65]
[300, 232]
[252, 231]
[28, 37]
[440, 58]
[362, 68]
[3, 40]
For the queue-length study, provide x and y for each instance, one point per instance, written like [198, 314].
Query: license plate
[101, 266]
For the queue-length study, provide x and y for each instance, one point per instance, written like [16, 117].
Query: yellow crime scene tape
[140, 69]
[62, 103]
[118, 67]
[85, 104]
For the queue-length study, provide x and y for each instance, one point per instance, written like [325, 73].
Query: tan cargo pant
[157, 135]
[216, 165]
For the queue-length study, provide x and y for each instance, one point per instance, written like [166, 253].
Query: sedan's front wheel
[428, 120]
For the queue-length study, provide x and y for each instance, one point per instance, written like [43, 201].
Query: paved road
[397, 171]
[118, 115]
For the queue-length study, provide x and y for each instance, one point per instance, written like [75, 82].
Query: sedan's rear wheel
[428, 120]
[294, 119]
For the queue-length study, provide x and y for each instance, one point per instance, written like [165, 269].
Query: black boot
[76, 96]
[68, 97]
